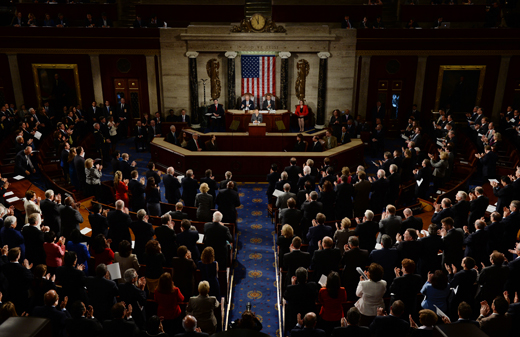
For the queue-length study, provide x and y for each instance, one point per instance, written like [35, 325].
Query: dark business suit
[306, 332]
[227, 201]
[316, 147]
[70, 220]
[267, 103]
[294, 260]
[247, 105]
[118, 223]
[168, 240]
[505, 195]
[143, 232]
[213, 186]
[122, 112]
[425, 174]
[361, 197]
[178, 215]
[391, 225]
[171, 138]
[126, 169]
[83, 327]
[217, 236]
[315, 234]
[136, 297]
[366, 232]
[171, 188]
[379, 189]
[51, 214]
[303, 179]
[141, 137]
[22, 164]
[409, 250]
[465, 281]
[301, 299]
[19, 280]
[184, 119]
[189, 191]
[189, 239]
[79, 164]
[476, 246]
[120, 327]
[216, 121]
[442, 214]
[389, 326]
[138, 197]
[310, 209]
[406, 288]
[293, 217]
[477, 208]
[489, 165]
[430, 261]
[99, 224]
[388, 258]
[412, 222]
[452, 252]
[106, 292]
[223, 184]
[324, 261]
[460, 211]
[351, 331]
[344, 207]
[272, 179]
[292, 172]
[55, 315]
[350, 260]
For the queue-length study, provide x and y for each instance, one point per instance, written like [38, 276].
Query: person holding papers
[371, 289]
[436, 291]
[256, 117]
[247, 103]
[423, 178]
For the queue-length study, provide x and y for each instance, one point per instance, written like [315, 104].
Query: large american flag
[258, 76]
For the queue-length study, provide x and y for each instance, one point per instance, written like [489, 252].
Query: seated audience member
[494, 321]
[131, 291]
[194, 144]
[105, 292]
[331, 297]
[387, 257]
[325, 259]
[122, 322]
[390, 223]
[371, 293]
[307, 326]
[168, 297]
[405, 287]
[436, 291]
[184, 271]
[125, 258]
[171, 137]
[301, 296]
[202, 307]
[390, 325]
[330, 141]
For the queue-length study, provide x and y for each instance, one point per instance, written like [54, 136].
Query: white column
[96, 78]
[501, 86]
[15, 78]
[363, 85]
[419, 81]
[152, 84]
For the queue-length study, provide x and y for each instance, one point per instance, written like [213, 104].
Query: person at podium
[256, 117]
[269, 103]
[247, 104]
[301, 112]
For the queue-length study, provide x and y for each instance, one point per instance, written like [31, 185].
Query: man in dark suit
[189, 324]
[125, 167]
[504, 193]
[70, 217]
[72, 278]
[476, 243]
[366, 231]
[153, 173]
[51, 211]
[281, 200]
[19, 278]
[511, 223]
[489, 163]
[325, 259]
[247, 103]
[461, 210]
[122, 323]
[178, 214]
[132, 292]
[140, 136]
[217, 115]
[34, 239]
[98, 221]
[229, 176]
[390, 223]
[18, 20]
[411, 222]
[82, 323]
[194, 144]
[379, 188]
[390, 325]
[122, 115]
[212, 184]
[513, 281]
[306, 177]
[442, 211]
[171, 186]
[352, 258]
[394, 184]
[119, 222]
[143, 232]
[301, 297]
[316, 145]
[464, 280]
[493, 278]
[452, 241]
[79, 164]
[424, 176]
[377, 140]
[377, 112]
[350, 325]
[64, 157]
[23, 163]
[406, 287]
[153, 131]
[295, 259]
[184, 118]
[171, 137]
[53, 311]
[272, 179]
[227, 201]
[477, 205]
[293, 171]
[317, 232]
[189, 237]
[291, 216]
[387, 257]
[494, 321]
[105, 289]
[345, 135]
[269, 103]
[431, 244]
[217, 236]
[189, 188]
[310, 208]
[408, 246]
[167, 237]
[327, 175]
[344, 194]
[307, 327]
[136, 187]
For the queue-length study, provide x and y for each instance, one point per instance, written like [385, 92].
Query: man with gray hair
[218, 236]
[189, 324]
[476, 243]
[223, 183]
[189, 188]
[284, 179]
[387, 257]
[306, 176]
[51, 212]
[143, 232]
[394, 182]
[118, 223]
[379, 190]
[171, 137]
[105, 291]
[353, 257]
[310, 208]
[172, 186]
[281, 201]
[325, 259]
[410, 222]
[131, 291]
[366, 231]
[167, 238]
[23, 164]
[461, 210]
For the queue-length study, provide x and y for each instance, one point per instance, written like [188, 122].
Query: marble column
[501, 87]
[284, 79]
[15, 78]
[194, 89]
[419, 81]
[152, 84]
[96, 78]
[322, 90]
[363, 86]
[231, 87]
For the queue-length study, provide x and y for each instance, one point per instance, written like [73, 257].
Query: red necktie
[196, 143]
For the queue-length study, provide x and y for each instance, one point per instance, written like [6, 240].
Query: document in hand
[115, 272]
[360, 271]
[323, 281]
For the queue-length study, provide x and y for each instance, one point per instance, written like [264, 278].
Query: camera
[248, 306]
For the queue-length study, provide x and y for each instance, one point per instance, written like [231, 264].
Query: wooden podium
[257, 129]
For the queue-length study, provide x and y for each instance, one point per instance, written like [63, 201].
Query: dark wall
[512, 89]
[109, 72]
[492, 64]
[25, 62]
[6, 82]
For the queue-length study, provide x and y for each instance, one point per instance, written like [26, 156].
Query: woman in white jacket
[371, 294]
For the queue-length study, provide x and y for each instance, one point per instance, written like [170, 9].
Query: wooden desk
[251, 157]
[257, 129]
[269, 120]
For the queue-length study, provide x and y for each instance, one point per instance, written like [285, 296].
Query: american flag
[258, 76]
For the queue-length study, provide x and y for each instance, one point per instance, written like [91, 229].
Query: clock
[258, 22]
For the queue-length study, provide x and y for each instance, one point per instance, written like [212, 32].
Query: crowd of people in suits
[60, 21]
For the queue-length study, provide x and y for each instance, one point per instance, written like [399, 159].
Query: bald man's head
[189, 323]
[309, 321]
[51, 298]
[327, 242]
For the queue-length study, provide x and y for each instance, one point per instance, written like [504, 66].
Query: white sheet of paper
[419, 182]
[201, 238]
[378, 246]
[512, 120]
[18, 177]
[480, 135]
[115, 272]
[360, 271]
[133, 244]
[455, 290]
[277, 193]
[439, 311]
[38, 135]
[493, 181]
[180, 178]
[439, 192]
[491, 208]
[404, 137]
[323, 281]
[264, 111]
[8, 193]
[85, 230]
[84, 243]
[209, 114]
[440, 144]
[376, 164]
[13, 199]
[464, 162]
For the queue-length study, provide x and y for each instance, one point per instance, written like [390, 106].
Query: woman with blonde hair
[202, 307]
[168, 296]
[345, 172]
[209, 270]
[204, 203]
[121, 187]
[284, 242]
[342, 234]
[7, 310]
[439, 169]
[93, 178]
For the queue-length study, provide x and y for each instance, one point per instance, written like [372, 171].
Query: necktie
[183, 118]
[342, 136]
[139, 129]
[196, 143]
[29, 163]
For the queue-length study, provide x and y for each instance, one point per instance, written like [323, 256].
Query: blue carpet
[255, 279]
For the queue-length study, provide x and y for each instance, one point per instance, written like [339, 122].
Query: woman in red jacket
[332, 297]
[121, 188]
[301, 111]
[54, 251]
[168, 296]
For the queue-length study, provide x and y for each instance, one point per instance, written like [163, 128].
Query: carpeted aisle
[255, 279]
